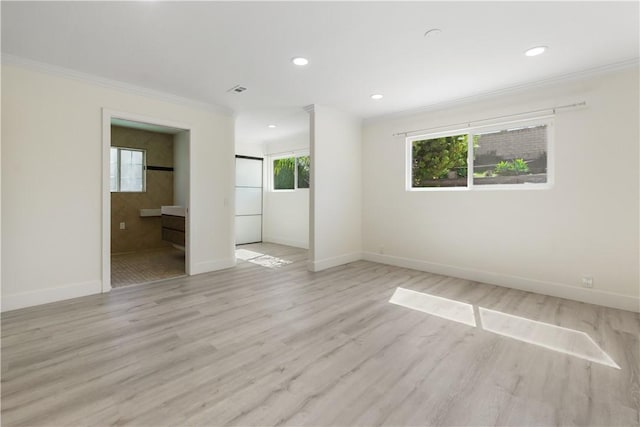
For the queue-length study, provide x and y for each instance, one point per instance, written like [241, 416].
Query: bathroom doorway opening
[145, 200]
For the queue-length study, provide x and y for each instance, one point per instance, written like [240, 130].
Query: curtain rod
[468, 124]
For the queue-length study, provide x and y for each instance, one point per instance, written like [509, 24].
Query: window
[290, 173]
[284, 174]
[511, 156]
[127, 170]
[440, 162]
[303, 171]
[498, 157]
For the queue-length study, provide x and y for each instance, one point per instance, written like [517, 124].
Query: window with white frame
[291, 173]
[127, 170]
[512, 155]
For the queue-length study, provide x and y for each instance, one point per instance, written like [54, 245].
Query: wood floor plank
[253, 346]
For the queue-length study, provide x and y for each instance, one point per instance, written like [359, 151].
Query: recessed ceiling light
[376, 96]
[272, 126]
[300, 61]
[535, 51]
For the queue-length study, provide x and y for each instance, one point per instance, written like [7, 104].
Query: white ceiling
[199, 50]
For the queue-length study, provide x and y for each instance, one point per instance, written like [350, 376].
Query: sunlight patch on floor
[246, 255]
[261, 259]
[442, 307]
[552, 337]
[557, 338]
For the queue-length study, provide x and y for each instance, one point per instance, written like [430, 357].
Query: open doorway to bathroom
[148, 202]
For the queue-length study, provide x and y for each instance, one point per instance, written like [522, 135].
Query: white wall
[252, 150]
[336, 188]
[1, 195]
[286, 213]
[180, 168]
[292, 144]
[51, 183]
[542, 241]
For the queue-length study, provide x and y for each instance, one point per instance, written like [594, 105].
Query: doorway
[279, 162]
[145, 200]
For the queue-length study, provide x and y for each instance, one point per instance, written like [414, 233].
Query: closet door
[248, 200]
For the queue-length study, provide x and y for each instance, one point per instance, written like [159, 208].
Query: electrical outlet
[122, 226]
[587, 281]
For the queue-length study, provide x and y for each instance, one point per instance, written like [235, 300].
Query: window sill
[487, 187]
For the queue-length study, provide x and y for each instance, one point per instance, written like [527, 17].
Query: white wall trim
[215, 265]
[44, 296]
[112, 84]
[323, 264]
[560, 290]
[286, 242]
[563, 78]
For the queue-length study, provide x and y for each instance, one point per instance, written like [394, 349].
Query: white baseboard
[286, 242]
[323, 264]
[44, 296]
[561, 290]
[207, 266]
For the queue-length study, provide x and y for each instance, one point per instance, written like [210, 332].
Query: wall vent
[237, 89]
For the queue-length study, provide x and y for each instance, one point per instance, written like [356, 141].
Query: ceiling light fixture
[535, 51]
[272, 126]
[300, 61]
[376, 96]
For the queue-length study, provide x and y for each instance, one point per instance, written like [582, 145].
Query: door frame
[107, 116]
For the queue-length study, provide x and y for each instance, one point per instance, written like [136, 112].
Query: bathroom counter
[173, 224]
[173, 211]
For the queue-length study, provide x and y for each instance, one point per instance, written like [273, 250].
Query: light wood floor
[259, 346]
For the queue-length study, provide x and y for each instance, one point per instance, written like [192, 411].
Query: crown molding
[562, 78]
[30, 64]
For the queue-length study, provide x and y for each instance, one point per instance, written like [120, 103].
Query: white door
[248, 200]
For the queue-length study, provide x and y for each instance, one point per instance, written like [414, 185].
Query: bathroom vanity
[174, 225]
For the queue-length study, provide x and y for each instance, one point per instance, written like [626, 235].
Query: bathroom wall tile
[142, 233]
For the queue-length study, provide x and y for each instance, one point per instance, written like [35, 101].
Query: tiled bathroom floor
[147, 266]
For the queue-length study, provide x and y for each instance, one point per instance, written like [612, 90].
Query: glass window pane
[131, 170]
[439, 162]
[113, 170]
[303, 171]
[283, 174]
[511, 156]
